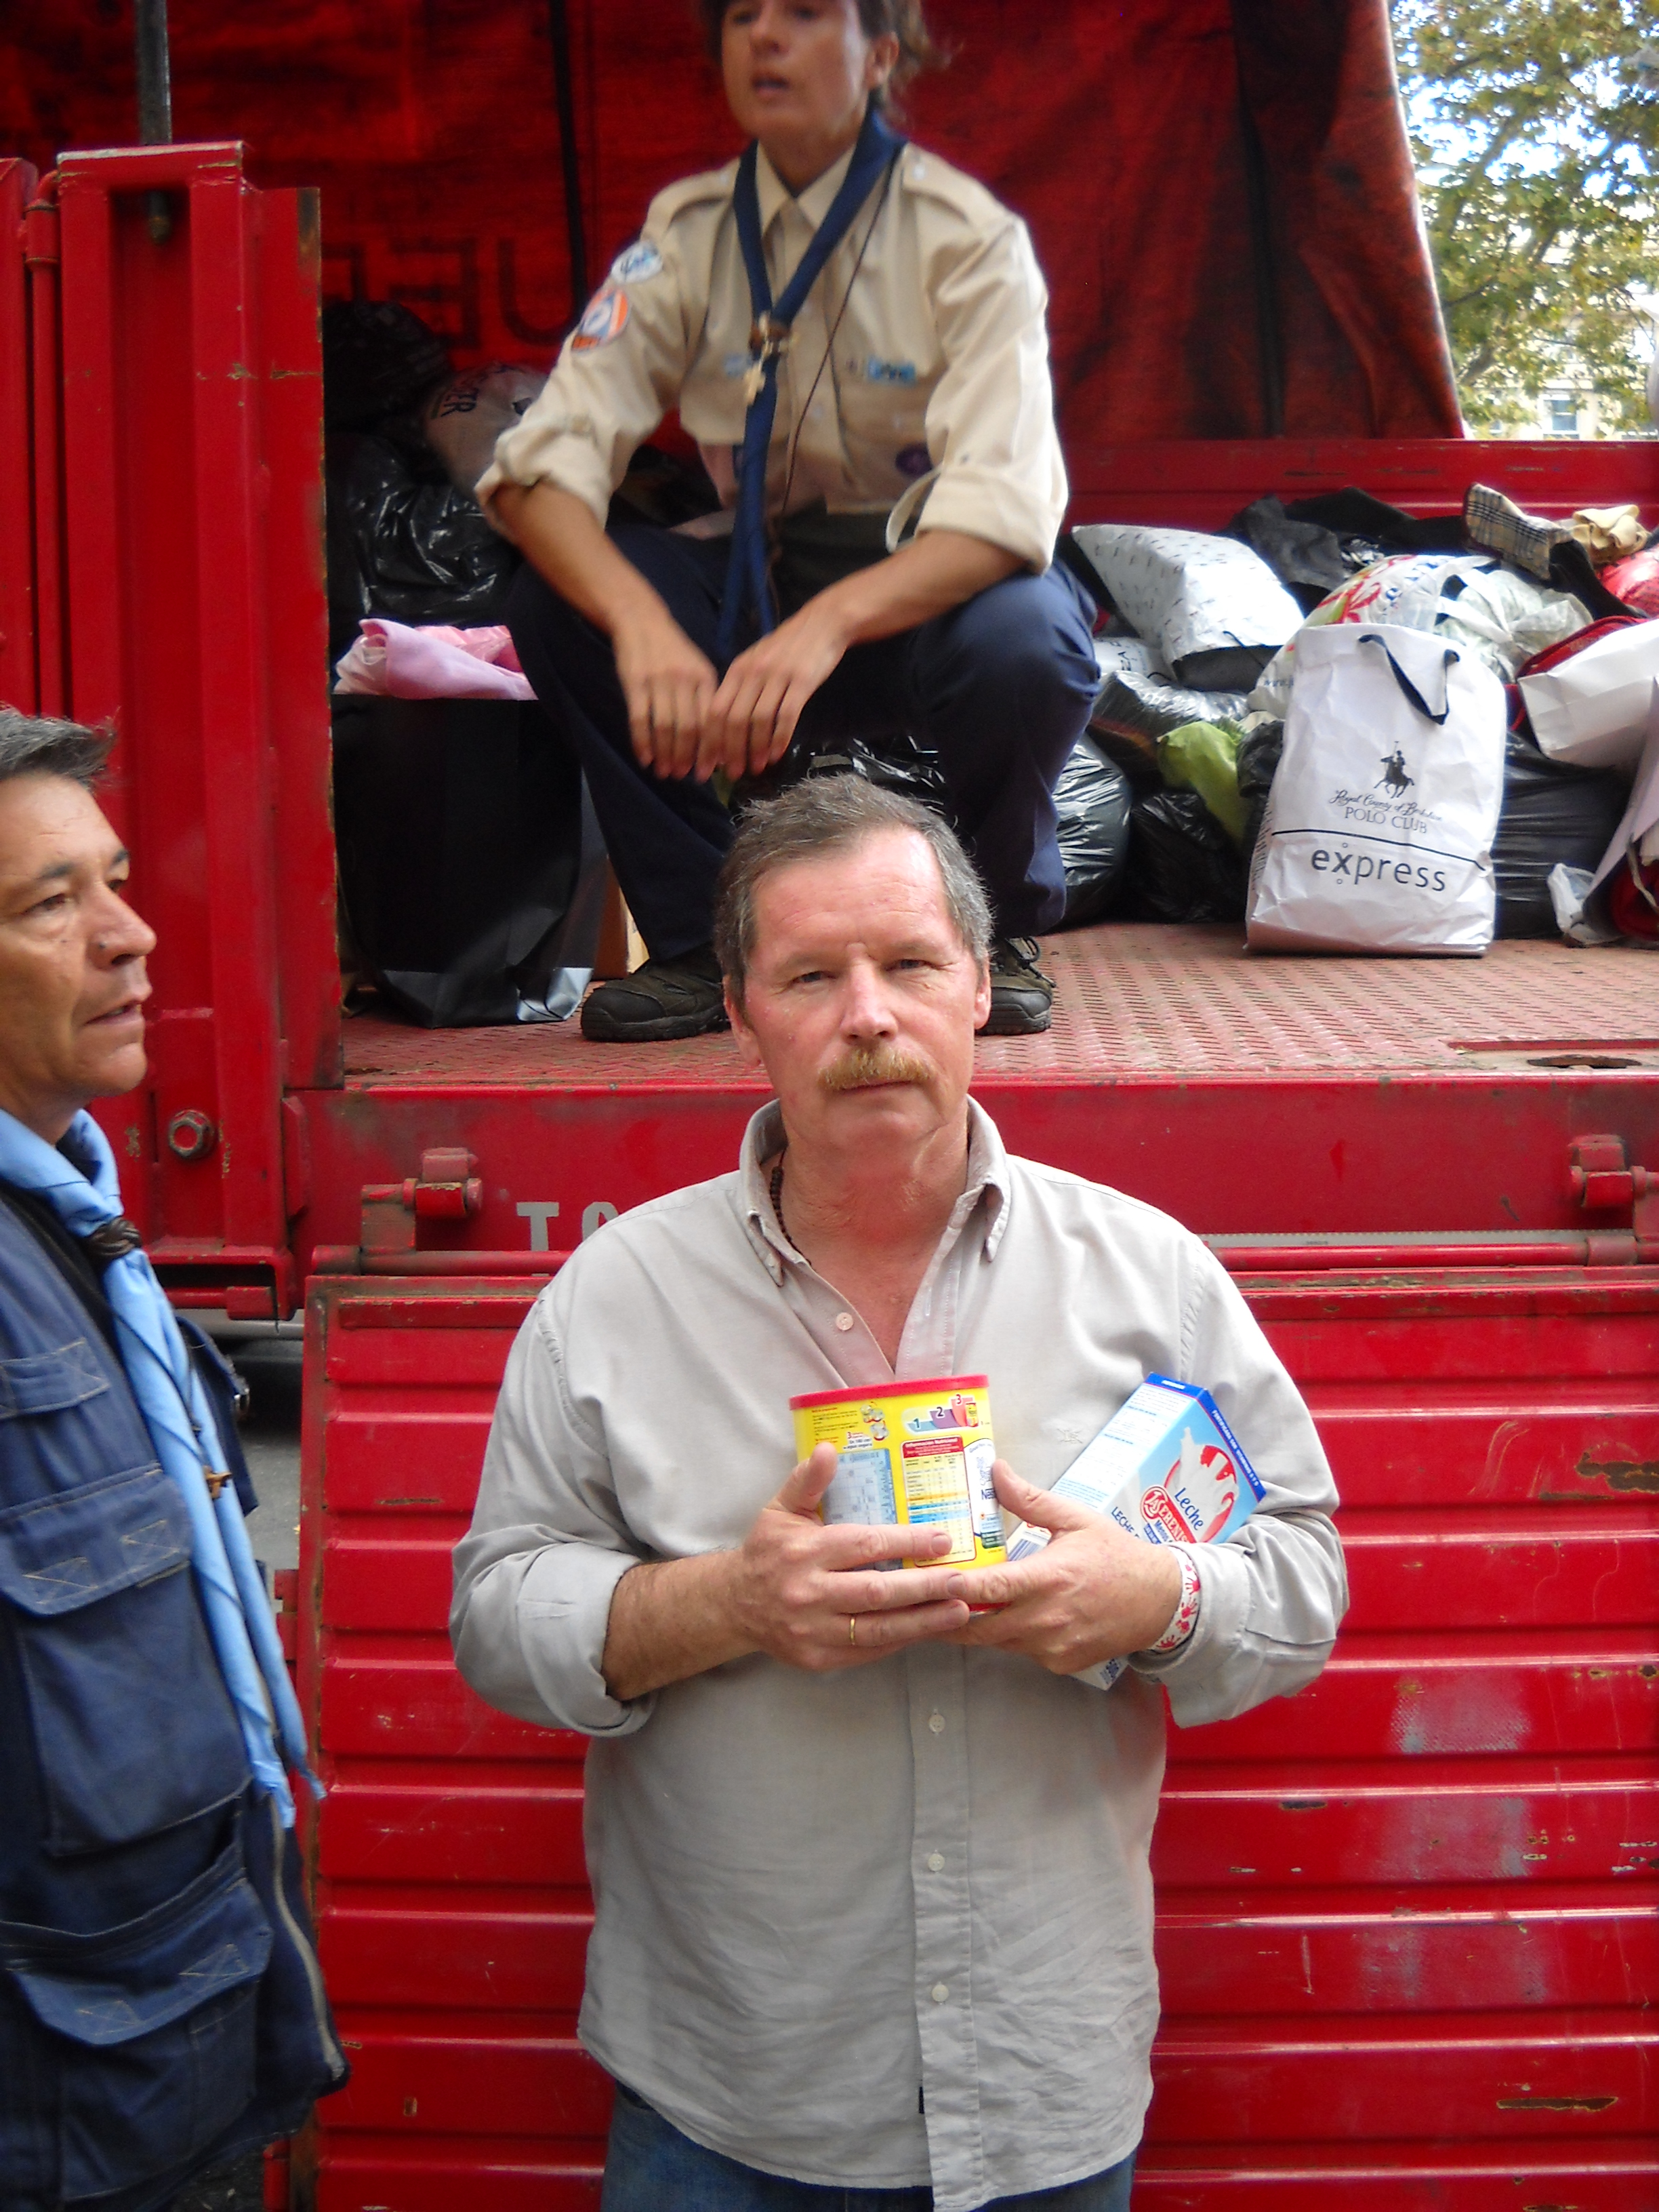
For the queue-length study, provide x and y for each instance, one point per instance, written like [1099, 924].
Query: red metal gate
[1407, 1920]
[161, 570]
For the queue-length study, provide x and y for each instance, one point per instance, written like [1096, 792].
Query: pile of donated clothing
[1162, 802]
[1197, 644]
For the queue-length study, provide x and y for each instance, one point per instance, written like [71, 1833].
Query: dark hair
[827, 814]
[918, 49]
[33, 744]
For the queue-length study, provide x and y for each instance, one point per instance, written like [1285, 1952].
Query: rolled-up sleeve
[1274, 1591]
[991, 418]
[535, 1574]
[619, 373]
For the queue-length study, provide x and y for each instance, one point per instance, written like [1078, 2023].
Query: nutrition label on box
[862, 1491]
[917, 1452]
[936, 1488]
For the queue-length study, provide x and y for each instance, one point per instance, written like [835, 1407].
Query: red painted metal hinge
[42, 241]
[447, 1188]
[1602, 1176]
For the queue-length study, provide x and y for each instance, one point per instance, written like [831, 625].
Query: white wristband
[1184, 1618]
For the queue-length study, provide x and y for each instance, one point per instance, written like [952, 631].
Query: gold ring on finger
[852, 1628]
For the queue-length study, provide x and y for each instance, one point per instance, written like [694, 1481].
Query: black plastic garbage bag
[1134, 707]
[459, 824]
[402, 541]
[1258, 757]
[896, 763]
[380, 359]
[1367, 528]
[1092, 799]
[1552, 811]
[1183, 865]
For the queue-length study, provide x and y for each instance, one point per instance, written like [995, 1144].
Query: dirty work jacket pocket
[148, 2049]
[132, 1727]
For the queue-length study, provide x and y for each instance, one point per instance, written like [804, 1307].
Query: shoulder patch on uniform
[636, 262]
[606, 319]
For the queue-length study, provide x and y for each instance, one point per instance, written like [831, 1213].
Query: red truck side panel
[192, 471]
[19, 675]
[1407, 1920]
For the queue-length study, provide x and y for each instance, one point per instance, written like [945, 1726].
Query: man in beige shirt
[912, 395]
[873, 1904]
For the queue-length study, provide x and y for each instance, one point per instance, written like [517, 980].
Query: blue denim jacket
[160, 2005]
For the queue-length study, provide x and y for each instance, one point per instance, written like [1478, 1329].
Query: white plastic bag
[1213, 608]
[464, 417]
[1592, 709]
[1469, 599]
[1377, 837]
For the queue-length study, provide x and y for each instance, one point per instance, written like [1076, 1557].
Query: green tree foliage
[1535, 130]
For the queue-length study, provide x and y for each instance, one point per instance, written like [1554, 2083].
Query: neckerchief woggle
[876, 148]
[185, 1439]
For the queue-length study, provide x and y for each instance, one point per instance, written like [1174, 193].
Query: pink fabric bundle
[400, 661]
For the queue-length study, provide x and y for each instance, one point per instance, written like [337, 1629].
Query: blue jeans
[999, 687]
[650, 2167]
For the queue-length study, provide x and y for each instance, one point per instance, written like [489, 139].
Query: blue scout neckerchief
[181, 1428]
[877, 147]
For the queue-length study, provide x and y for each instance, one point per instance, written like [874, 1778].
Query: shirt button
[941, 1990]
[936, 1862]
[936, 1722]
[843, 1323]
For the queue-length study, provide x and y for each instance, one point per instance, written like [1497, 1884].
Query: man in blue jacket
[161, 2005]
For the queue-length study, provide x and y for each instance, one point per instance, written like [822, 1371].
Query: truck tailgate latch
[448, 1188]
[1603, 1175]
[445, 1190]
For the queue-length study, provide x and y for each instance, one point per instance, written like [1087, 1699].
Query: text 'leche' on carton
[915, 1453]
[1167, 1469]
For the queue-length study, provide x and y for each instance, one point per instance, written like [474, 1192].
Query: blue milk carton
[1167, 1469]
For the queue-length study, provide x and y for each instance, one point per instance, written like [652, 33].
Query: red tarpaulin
[1220, 191]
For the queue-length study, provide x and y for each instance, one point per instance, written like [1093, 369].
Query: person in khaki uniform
[911, 492]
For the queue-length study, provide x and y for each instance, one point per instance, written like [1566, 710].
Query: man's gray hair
[34, 744]
[827, 814]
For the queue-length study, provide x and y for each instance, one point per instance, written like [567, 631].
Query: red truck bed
[1251, 1097]
[1407, 1920]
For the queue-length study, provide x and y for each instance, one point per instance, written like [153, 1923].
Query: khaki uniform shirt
[893, 1925]
[933, 357]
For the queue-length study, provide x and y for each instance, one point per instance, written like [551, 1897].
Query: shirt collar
[987, 1183]
[771, 193]
[988, 1176]
[760, 1139]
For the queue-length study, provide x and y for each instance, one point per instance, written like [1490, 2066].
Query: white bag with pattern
[1379, 826]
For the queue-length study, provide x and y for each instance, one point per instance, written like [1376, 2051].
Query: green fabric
[1203, 757]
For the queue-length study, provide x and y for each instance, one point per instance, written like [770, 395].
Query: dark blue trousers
[999, 689]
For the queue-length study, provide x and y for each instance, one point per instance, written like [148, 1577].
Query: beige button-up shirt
[892, 1925]
[921, 347]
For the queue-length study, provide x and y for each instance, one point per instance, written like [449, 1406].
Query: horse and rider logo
[1394, 779]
